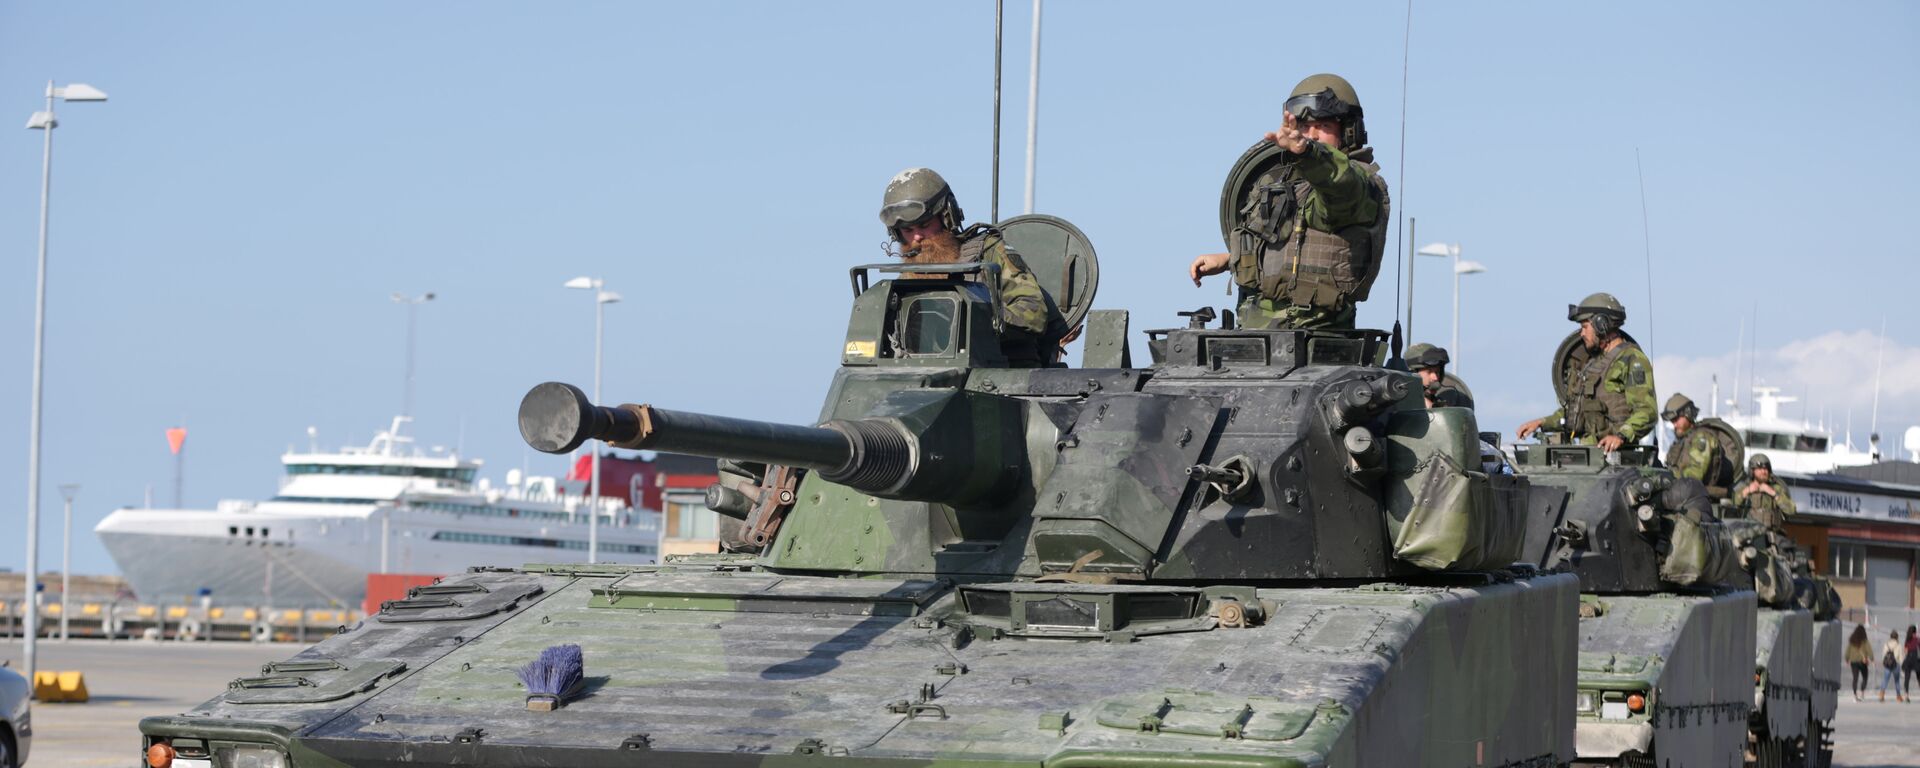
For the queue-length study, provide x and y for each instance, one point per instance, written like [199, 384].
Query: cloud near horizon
[1831, 375]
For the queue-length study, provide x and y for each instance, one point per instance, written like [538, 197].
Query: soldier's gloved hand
[1289, 137]
[1612, 443]
[1528, 428]
[1207, 264]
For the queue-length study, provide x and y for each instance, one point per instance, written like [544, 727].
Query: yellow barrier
[90, 609]
[176, 611]
[147, 611]
[52, 687]
[51, 609]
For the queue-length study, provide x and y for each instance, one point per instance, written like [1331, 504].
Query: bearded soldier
[1443, 390]
[1762, 496]
[1700, 448]
[1607, 382]
[1305, 245]
[920, 212]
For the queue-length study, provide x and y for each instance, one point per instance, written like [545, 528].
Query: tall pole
[593, 481]
[1456, 307]
[1411, 222]
[66, 557]
[1033, 103]
[413, 303]
[33, 426]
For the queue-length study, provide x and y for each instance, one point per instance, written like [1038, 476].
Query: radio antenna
[1646, 239]
[1399, 250]
[999, 6]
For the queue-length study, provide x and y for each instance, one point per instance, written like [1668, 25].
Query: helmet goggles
[1322, 105]
[906, 213]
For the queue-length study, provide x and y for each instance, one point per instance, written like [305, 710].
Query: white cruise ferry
[1794, 447]
[385, 508]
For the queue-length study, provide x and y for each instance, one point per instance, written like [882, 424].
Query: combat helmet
[1680, 405]
[1328, 96]
[1606, 312]
[1759, 461]
[1426, 356]
[915, 194]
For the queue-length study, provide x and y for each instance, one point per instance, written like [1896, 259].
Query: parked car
[16, 722]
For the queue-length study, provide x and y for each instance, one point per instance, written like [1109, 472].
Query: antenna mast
[1033, 104]
[1399, 252]
[999, 6]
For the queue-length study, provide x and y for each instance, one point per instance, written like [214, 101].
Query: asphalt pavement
[130, 680]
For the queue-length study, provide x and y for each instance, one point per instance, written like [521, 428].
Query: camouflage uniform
[1772, 511]
[1699, 455]
[1608, 393]
[1026, 321]
[1327, 256]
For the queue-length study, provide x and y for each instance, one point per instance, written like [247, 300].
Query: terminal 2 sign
[1852, 504]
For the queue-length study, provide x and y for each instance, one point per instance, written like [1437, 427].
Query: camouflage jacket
[1026, 319]
[1616, 401]
[1773, 511]
[1699, 455]
[1307, 269]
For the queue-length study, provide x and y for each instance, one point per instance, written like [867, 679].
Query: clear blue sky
[227, 229]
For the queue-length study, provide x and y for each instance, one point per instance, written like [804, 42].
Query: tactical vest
[1592, 409]
[1282, 259]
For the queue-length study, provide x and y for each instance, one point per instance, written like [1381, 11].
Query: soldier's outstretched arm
[1208, 264]
[1340, 185]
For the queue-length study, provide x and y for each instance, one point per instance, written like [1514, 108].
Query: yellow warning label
[860, 349]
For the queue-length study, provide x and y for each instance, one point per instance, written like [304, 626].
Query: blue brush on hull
[554, 677]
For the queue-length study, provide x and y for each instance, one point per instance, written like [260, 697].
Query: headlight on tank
[251, 756]
[1586, 703]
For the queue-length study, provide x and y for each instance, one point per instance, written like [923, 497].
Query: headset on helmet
[1680, 405]
[913, 196]
[1606, 312]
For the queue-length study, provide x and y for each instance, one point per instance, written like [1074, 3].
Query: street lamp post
[601, 298]
[67, 492]
[1452, 250]
[44, 121]
[412, 302]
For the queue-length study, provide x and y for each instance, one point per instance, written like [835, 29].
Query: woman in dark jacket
[1911, 666]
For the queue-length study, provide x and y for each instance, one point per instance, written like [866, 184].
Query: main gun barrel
[557, 418]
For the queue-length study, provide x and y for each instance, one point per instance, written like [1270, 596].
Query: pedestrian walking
[1910, 667]
[1859, 656]
[1891, 655]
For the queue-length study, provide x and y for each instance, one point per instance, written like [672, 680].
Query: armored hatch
[1061, 259]
[1262, 164]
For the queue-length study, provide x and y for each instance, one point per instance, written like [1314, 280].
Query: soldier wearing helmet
[1762, 497]
[1306, 245]
[1443, 390]
[920, 212]
[1607, 393]
[1701, 448]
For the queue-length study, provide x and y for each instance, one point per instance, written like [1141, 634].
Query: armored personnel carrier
[1257, 551]
[1668, 609]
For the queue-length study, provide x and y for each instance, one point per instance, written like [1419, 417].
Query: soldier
[1608, 393]
[1442, 389]
[1763, 497]
[1310, 237]
[1698, 452]
[921, 214]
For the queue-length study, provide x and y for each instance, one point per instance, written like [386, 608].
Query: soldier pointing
[1306, 245]
[1607, 382]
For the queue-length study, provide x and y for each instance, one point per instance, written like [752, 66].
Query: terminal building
[1862, 525]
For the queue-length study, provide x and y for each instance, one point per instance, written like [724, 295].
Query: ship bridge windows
[1781, 441]
[468, 537]
[461, 474]
[488, 511]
